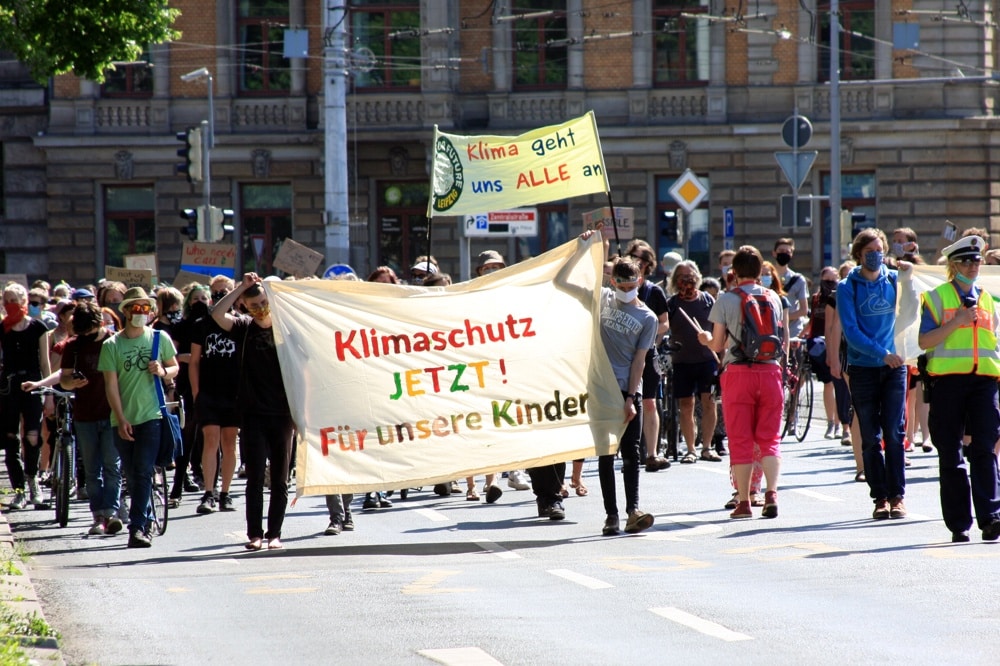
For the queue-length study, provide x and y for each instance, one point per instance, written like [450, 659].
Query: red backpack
[760, 340]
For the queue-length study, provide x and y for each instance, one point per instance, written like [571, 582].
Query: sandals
[471, 495]
[581, 490]
[689, 458]
[709, 454]
[254, 544]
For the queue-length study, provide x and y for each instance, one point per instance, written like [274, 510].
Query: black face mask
[783, 258]
[175, 317]
[198, 309]
[828, 285]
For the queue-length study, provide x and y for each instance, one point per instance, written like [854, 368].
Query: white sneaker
[97, 528]
[19, 502]
[517, 480]
[831, 430]
[35, 492]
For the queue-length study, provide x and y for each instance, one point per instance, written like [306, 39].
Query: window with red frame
[539, 64]
[131, 80]
[129, 222]
[260, 26]
[857, 46]
[392, 31]
[680, 47]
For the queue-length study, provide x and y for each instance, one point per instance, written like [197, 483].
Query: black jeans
[629, 449]
[546, 483]
[266, 438]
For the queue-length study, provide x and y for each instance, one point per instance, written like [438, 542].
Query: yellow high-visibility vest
[969, 349]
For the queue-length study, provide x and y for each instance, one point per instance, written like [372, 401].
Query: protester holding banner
[265, 418]
[866, 304]
[24, 343]
[958, 328]
[129, 373]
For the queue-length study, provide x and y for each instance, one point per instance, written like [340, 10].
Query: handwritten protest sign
[394, 386]
[472, 174]
[143, 261]
[209, 258]
[624, 218]
[297, 259]
[130, 277]
[184, 278]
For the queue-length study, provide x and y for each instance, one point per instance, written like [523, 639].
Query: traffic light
[192, 154]
[221, 223]
[191, 215]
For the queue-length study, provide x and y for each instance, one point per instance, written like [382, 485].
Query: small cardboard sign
[297, 259]
[130, 277]
[950, 231]
[7, 278]
[209, 258]
[624, 218]
[143, 261]
[184, 278]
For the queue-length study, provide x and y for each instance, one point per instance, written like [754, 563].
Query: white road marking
[698, 624]
[714, 469]
[918, 516]
[465, 656]
[815, 495]
[432, 515]
[496, 549]
[580, 579]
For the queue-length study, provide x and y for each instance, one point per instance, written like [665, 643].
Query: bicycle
[670, 425]
[798, 390]
[160, 499]
[64, 453]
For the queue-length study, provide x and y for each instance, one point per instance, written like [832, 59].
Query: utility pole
[836, 242]
[336, 203]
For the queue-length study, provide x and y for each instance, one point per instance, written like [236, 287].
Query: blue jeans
[138, 457]
[879, 398]
[101, 465]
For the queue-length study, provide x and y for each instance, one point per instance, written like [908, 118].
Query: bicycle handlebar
[48, 390]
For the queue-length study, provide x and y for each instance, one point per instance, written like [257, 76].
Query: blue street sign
[729, 223]
[334, 270]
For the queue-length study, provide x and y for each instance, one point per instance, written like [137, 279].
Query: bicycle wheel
[160, 499]
[803, 403]
[63, 480]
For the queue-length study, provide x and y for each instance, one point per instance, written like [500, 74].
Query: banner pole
[614, 222]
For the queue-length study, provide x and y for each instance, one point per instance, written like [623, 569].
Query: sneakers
[742, 510]
[371, 501]
[720, 445]
[335, 527]
[992, 531]
[226, 502]
[241, 473]
[881, 511]
[348, 523]
[98, 527]
[139, 540]
[656, 463]
[611, 525]
[518, 480]
[846, 439]
[960, 537]
[114, 525]
[770, 504]
[35, 493]
[383, 503]
[831, 430]
[896, 508]
[493, 493]
[19, 501]
[207, 504]
[554, 511]
[926, 446]
[638, 521]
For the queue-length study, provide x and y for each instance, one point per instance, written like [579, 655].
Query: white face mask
[138, 320]
[627, 296]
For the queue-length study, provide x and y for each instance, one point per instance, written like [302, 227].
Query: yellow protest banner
[395, 386]
[477, 174]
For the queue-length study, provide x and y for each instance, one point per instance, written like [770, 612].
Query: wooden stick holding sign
[697, 327]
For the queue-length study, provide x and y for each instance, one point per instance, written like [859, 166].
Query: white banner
[396, 386]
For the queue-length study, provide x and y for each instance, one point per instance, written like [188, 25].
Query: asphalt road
[448, 581]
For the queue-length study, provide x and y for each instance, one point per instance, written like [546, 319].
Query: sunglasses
[36, 303]
[140, 308]
[969, 261]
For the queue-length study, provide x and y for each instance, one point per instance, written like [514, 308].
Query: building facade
[89, 169]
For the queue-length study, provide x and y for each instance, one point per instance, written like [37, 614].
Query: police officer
[958, 328]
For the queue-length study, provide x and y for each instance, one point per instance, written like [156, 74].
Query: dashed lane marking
[463, 656]
[280, 590]
[815, 495]
[698, 624]
[580, 579]
[427, 584]
[799, 551]
[432, 515]
[496, 549]
[654, 563]
[285, 576]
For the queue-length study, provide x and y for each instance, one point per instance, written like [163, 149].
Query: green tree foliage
[84, 37]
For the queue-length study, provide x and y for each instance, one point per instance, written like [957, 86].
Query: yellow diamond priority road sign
[688, 191]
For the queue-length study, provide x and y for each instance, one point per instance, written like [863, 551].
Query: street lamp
[197, 75]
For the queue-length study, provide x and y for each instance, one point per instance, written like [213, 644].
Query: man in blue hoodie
[866, 304]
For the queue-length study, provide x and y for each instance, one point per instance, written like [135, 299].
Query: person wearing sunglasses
[38, 308]
[129, 374]
[958, 328]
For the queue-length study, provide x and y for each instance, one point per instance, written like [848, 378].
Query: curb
[18, 594]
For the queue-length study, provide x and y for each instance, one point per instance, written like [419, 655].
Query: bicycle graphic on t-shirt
[138, 359]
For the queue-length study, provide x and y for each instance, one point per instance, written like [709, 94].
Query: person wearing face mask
[262, 405]
[129, 375]
[490, 261]
[866, 305]
[695, 366]
[794, 285]
[958, 328]
[815, 338]
[725, 266]
[24, 343]
[92, 417]
[38, 302]
[110, 297]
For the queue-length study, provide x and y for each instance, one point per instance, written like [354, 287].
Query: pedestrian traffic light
[192, 154]
[221, 223]
[191, 215]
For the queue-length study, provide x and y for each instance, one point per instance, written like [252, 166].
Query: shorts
[215, 411]
[19, 404]
[821, 369]
[913, 378]
[691, 379]
[650, 379]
